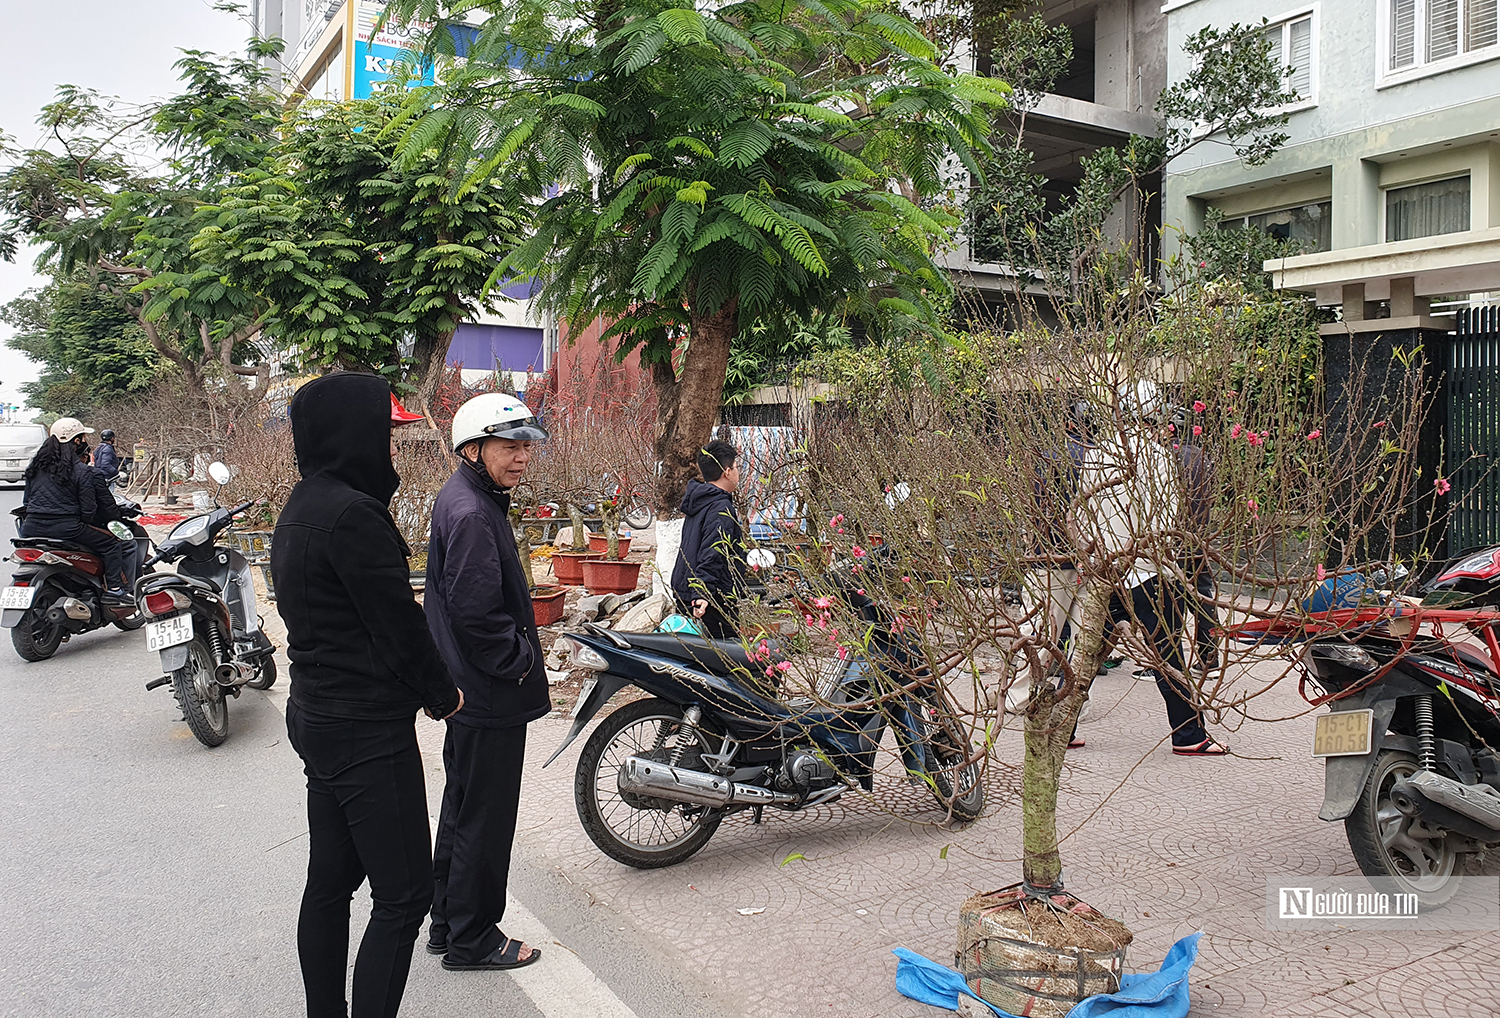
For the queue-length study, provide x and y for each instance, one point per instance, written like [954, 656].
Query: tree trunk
[1050, 717]
[688, 406]
[523, 546]
[431, 355]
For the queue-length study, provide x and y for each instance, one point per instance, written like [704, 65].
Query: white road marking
[559, 984]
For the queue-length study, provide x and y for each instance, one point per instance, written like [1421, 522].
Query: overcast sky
[118, 47]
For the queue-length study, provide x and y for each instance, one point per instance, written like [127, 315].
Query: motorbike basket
[1019, 975]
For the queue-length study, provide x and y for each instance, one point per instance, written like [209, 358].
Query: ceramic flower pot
[600, 543]
[605, 576]
[567, 566]
[548, 604]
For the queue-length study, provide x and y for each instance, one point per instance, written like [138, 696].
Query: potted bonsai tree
[567, 566]
[611, 574]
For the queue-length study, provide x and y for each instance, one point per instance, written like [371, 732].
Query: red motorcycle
[1413, 725]
[57, 591]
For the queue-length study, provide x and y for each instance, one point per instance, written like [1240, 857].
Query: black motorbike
[1411, 737]
[658, 775]
[57, 589]
[204, 622]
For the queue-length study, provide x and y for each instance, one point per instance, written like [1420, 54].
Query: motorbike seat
[50, 544]
[720, 657]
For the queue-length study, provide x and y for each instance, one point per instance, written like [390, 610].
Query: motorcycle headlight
[1347, 654]
[586, 657]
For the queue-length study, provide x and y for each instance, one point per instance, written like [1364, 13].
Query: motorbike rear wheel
[957, 786]
[131, 623]
[34, 637]
[640, 515]
[640, 832]
[204, 706]
[265, 673]
[1387, 843]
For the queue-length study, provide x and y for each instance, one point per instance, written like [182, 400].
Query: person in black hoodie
[709, 575]
[479, 609]
[362, 665]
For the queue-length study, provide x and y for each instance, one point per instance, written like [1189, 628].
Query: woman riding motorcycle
[60, 499]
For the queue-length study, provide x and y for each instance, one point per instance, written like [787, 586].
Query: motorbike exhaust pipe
[234, 673]
[69, 613]
[1469, 810]
[663, 781]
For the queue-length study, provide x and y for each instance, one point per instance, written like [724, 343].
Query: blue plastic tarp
[1159, 994]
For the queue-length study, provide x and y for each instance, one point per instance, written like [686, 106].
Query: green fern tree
[700, 169]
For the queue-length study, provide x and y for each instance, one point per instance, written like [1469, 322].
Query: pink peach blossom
[1442, 486]
[1314, 434]
[1199, 406]
[1234, 432]
[1197, 430]
[1322, 573]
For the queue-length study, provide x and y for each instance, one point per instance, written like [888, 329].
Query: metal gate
[1473, 439]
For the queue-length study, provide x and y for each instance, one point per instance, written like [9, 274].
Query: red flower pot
[600, 543]
[606, 576]
[547, 604]
[567, 566]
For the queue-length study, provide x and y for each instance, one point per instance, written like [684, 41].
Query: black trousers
[101, 542]
[471, 864]
[1157, 609]
[1205, 614]
[366, 817]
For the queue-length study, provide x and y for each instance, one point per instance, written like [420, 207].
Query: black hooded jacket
[478, 606]
[356, 637]
[712, 559]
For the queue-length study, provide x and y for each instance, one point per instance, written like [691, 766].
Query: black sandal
[506, 956]
[1208, 747]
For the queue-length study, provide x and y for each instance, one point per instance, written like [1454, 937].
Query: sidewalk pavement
[1169, 845]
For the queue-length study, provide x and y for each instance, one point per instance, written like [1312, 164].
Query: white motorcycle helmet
[495, 415]
[1143, 401]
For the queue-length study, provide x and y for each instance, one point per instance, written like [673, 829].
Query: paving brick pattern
[1172, 846]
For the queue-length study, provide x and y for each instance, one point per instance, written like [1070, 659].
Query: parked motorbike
[57, 590]
[204, 621]
[1413, 691]
[658, 775]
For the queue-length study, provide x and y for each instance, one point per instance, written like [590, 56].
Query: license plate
[17, 597]
[13, 464]
[1343, 733]
[166, 633]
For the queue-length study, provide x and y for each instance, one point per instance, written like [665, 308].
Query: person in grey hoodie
[709, 575]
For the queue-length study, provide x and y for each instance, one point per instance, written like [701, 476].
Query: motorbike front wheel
[1387, 843]
[200, 696]
[639, 516]
[639, 831]
[34, 637]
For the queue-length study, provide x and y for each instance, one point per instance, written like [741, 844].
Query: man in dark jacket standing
[479, 610]
[106, 460]
[362, 665]
[710, 572]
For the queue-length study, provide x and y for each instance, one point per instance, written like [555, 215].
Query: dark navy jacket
[46, 496]
[479, 608]
[356, 637]
[107, 461]
[712, 559]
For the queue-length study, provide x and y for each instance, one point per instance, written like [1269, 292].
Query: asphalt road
[143, 874]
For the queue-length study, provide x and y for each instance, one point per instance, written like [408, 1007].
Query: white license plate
[169, 632]
[1343, 733]
[14, 464]
[17, 597]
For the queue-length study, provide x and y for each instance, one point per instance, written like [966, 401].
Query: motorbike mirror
[219, 472]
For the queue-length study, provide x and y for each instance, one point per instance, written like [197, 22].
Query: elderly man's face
[504, 459]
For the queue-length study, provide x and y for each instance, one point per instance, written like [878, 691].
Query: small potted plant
[547, 600]
[611, 574]
[567, 566]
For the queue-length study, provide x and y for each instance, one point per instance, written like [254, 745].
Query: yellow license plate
[1343, 733]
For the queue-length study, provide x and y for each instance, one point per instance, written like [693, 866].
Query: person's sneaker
[119, 596]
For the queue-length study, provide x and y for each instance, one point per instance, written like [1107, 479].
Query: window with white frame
[1292, 48]
[1427, 31]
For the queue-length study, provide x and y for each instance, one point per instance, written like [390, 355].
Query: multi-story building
[1391, 180]
[1391, 175]
[1107, 94]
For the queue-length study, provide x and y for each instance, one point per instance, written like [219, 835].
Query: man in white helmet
[479, 610]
